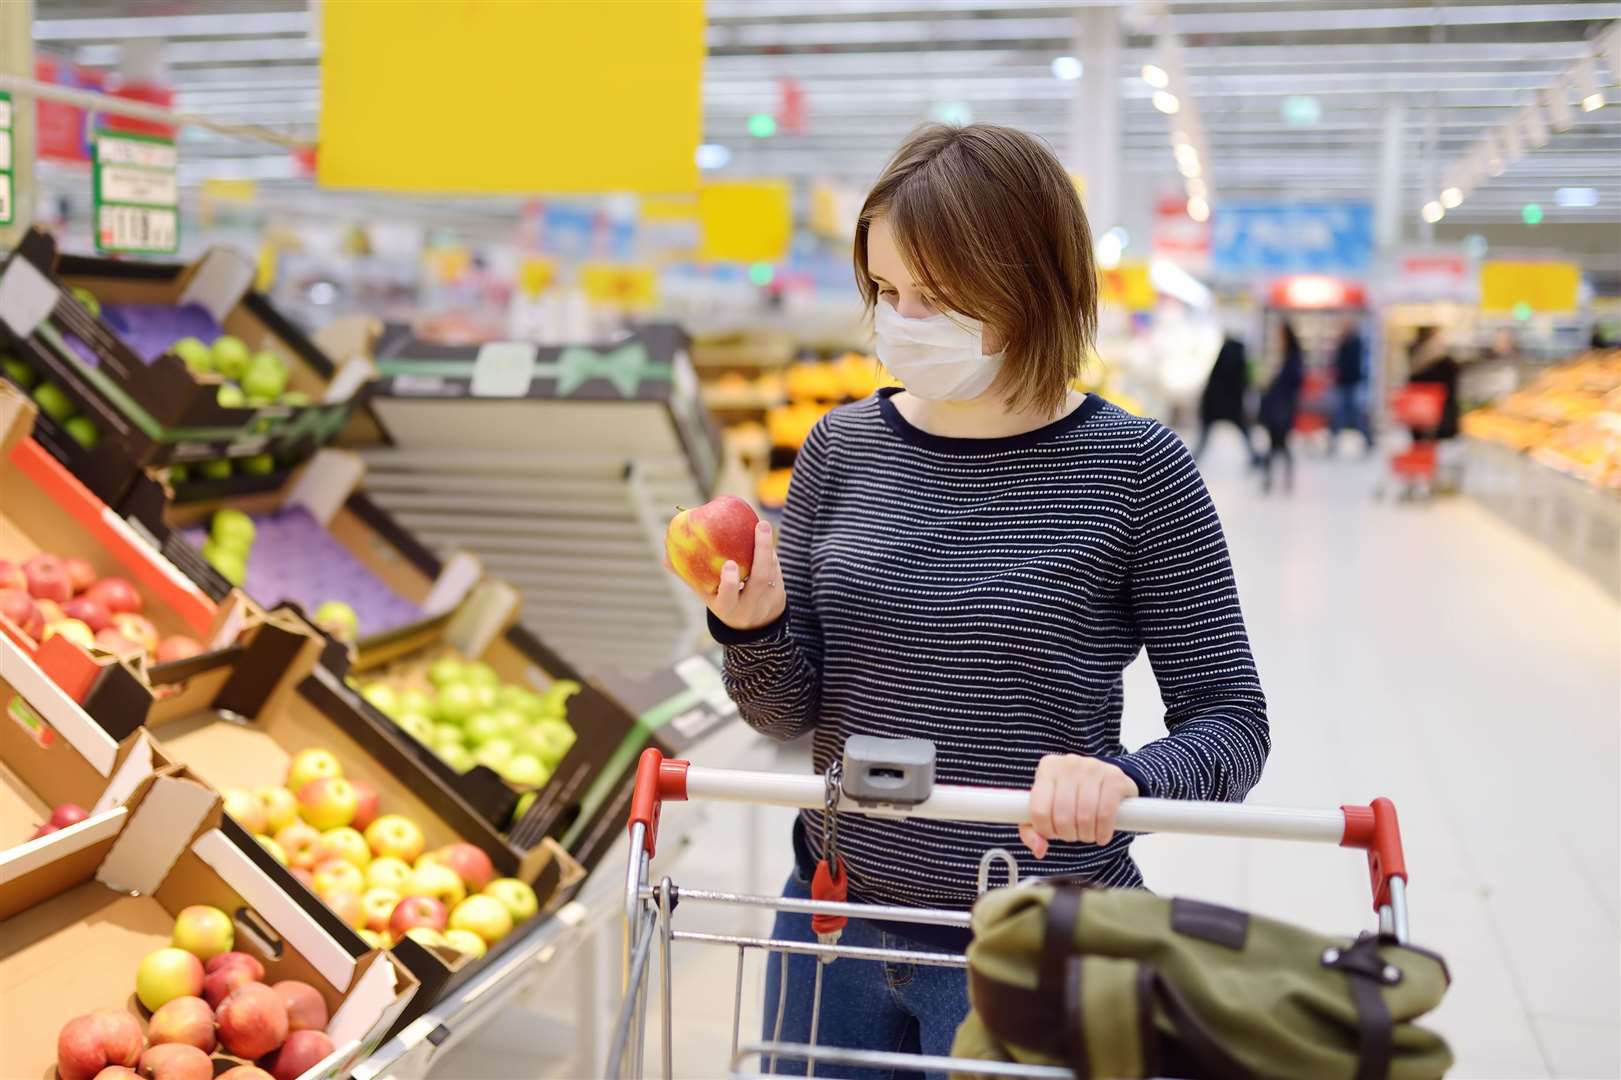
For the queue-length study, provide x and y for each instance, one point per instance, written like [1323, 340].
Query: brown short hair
[992, 227]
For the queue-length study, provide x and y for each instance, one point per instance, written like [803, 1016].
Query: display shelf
[580, 535]
[1580, 522]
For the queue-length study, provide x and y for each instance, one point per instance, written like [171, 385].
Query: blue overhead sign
[1291, 238]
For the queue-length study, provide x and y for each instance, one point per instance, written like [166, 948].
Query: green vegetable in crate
[18, 372]
[339, 620]
[53, 402]
[296, 398]
[524, 770]
[199, 358]
[82, 430]
[457, 757]
[525, 801]
[257, 401]
[457, 703]
[416, 701]
[416, 725]
[178, 474]
[232, 529]
[382, 697]
[445, 670]
[258, 465]
[484, 728]
[266, 376]
[218, 469]
[494, 754]
[548, 740]
[480, 674]
[230, 356]
[231, 564]
[230, 396]
[87, 298]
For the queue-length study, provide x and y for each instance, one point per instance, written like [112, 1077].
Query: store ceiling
[871, 69]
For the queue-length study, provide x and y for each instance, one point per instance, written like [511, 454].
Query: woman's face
[895, 286]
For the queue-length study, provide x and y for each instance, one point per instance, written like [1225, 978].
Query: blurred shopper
[1224, 394]
[1350, 385]
[1430, 361]
[975, 560]
[1280, 404]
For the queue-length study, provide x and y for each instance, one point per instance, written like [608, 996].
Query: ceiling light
[1197, 189]
[1531, 214]
[955, 113]
[1593, 102]
[1155, 76]
[1109, 248]
[1578, 197]
[1198, 209]
[1067, 68]
[1301, 110]
[762, 125]
[1166, 102]
[1187, 160]
[1451, 197]
[1433, 212]
[1587, 90]
[713, 156]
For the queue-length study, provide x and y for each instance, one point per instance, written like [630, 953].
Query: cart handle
[1372, 828]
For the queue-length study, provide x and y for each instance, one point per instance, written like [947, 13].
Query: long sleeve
[774, 673]
[1184, 603]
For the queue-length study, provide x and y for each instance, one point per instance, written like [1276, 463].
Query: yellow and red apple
[700, 541]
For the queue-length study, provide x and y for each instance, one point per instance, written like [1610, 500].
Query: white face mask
[940, 358]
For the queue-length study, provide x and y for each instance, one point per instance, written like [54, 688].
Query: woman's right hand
[748, 605]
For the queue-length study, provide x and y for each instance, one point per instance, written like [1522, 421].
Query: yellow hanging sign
[536, 274]
[621, 286]
[745, 220]
[1127, 286]
[519, 98]
[1543, 287]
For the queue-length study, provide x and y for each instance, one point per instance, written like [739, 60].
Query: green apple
[194, 354]
[230, 356]
[557, 694]
[483, 727]
[511, 721]
[259, 401]
[519, 899]
[295, 398]
[53, 402]
[18, 372]
[266, 377]
[230, 396]
[525, 801]
[447, 735]
[339, 620]
[232, 529]
[87, 298]
[445, 670]
[218, 469]
[482, 915]
[457, 757]
[457, 703]
[513, 696]
[524, 770]
[416, 701]
[481, 674]
[548, 740]
[313, 764]
[229, 562]
[383, 696]
[257, 465]
[484, 694]
[416, 725]
[494, 754]
[178, 474]
[82, 430]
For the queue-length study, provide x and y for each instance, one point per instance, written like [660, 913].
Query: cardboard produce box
[316, 538]
[81, 908]
[52, 754]
[113, 361]
[245, 712]
[44, 508]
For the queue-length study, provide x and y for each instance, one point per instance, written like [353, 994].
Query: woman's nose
[912, 307]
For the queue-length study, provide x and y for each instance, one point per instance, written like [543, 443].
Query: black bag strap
[1074, 1014]
[1365, 972]
[1058, 942]
[1196, 1039]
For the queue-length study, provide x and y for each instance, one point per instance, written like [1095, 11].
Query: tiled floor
[1425, 652]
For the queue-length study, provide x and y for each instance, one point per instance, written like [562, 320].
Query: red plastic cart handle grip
[1374, 829]
[657, 778]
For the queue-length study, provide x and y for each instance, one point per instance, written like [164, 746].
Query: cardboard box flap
[488, 610]
[17, 414]
[218, 283]
[454, 582]
[326, 483]
[291, 922]
[163, 824]
[18, 862]
[141, 760]
[376, 986]
[27, 297]
[56, 708]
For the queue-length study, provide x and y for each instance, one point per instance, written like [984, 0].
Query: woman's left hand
[1074, 798]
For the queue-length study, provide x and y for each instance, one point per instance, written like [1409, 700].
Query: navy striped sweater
[987, 594]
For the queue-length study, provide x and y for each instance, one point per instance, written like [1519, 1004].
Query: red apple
[416, 911]
[302, 843]
[306, 1009]
[305, 875]
[11, 576]
[223, 982]
[72, 629]
[176, 647]
[178, 1061]
[81, 575]
[90, 1043]
[113, 640]
[302, 1051]
[379, 905]
[188, 1020]
[700, 541]
[470, 863]
[327, 803]
[252, 1021]
[138, 628]
[47, 580]
[118, 594]
[236, 959]
[18, 607]
[90, 612]
[346, 905]
[118, 1072]
[45, 830]
[245, 1072]
[366, 799]
[204, 931]
[68, 814]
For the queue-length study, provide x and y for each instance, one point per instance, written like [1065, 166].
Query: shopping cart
[648, 907]
[1419, 408]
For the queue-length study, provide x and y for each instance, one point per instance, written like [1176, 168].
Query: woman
[1279, 404]
[975, 560]
[1224, 393]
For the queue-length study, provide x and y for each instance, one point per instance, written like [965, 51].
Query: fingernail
[729, 566]
[764, 527]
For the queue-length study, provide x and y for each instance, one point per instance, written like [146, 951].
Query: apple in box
[19, 607]
[415, 911]
[306, 1009]
[118, 594]
[302, 1051]
[81, 575]
[96, 1041]
[47, 579]
[12, 576]
[178, 1061]
[185, 1020]
[93, 613]
[252, 1021]
[702, 540]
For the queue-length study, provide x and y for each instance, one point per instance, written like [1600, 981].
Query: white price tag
[5, 149]
[136, 228]
[27, 297]
[126, 185]
[5, 198]
[504, 369]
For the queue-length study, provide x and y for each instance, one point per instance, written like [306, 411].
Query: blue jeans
[866, 1004]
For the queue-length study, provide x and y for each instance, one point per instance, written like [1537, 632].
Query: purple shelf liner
[295, 558]
[149, 329]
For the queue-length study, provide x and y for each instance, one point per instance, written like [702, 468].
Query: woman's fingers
[765, 555]
[726, 597]
[1087, 791]
[1108, 805]
[1033, 840]
[1067, 821]
[1041, 800]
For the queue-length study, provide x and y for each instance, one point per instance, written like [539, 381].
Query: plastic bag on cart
[1123, 983]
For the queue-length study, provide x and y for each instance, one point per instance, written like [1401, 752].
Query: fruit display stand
[83, 909]
[45, 510]
[559, 466]
[117, 366]
[245, 716]
[314, 540]
[57, 765]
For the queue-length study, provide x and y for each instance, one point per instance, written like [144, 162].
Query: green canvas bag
[1123, 983]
